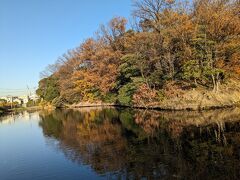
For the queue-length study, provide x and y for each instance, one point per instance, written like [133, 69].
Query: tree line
[169, 46]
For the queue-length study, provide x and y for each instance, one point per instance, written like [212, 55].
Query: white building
[4, 98]
[22, 100]
[17, 100]
[34, 97]
[25, 99]
[8, 98]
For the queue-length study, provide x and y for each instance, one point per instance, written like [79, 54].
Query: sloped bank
[176, 104]
[200, 100]
[195, 99]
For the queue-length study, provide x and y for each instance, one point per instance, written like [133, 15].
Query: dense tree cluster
[170, 44]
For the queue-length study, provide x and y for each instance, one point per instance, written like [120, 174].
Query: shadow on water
[134, 144]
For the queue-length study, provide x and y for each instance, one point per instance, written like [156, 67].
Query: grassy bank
[191, 99]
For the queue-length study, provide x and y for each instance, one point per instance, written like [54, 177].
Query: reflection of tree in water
[139, 143]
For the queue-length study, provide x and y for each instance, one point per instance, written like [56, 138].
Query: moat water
[96, 143]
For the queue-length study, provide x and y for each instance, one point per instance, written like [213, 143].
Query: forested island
[170, 55]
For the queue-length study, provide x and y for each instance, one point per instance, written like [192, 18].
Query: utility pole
[29, 91]
[11, 101]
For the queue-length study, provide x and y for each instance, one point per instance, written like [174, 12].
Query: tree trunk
[195, 81]
[171, 65]
[214, 83]
[217, 82]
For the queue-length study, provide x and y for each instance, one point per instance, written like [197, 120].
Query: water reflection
[14, 116]
[135, 144]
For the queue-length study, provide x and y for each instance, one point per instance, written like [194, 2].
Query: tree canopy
[172, 42]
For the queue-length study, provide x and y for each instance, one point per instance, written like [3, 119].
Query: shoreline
[159, 108]
[20, 109]
[114, 105]
[189, 100]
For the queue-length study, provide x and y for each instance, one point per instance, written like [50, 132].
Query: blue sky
[34, 33]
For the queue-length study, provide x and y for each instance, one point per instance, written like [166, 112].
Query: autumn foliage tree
[174, 42]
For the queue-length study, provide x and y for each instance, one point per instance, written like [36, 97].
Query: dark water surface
[112, 143]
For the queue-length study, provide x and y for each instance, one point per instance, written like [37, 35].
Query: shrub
[126, 93]
[110, 98]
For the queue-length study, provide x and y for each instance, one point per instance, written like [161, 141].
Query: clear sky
[34, 33]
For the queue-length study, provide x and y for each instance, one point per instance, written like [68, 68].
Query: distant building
[4, 98]
[22, 100]
[25, 99]
[18, 101]
[9, 99]
[34, 97]
[12, 100]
